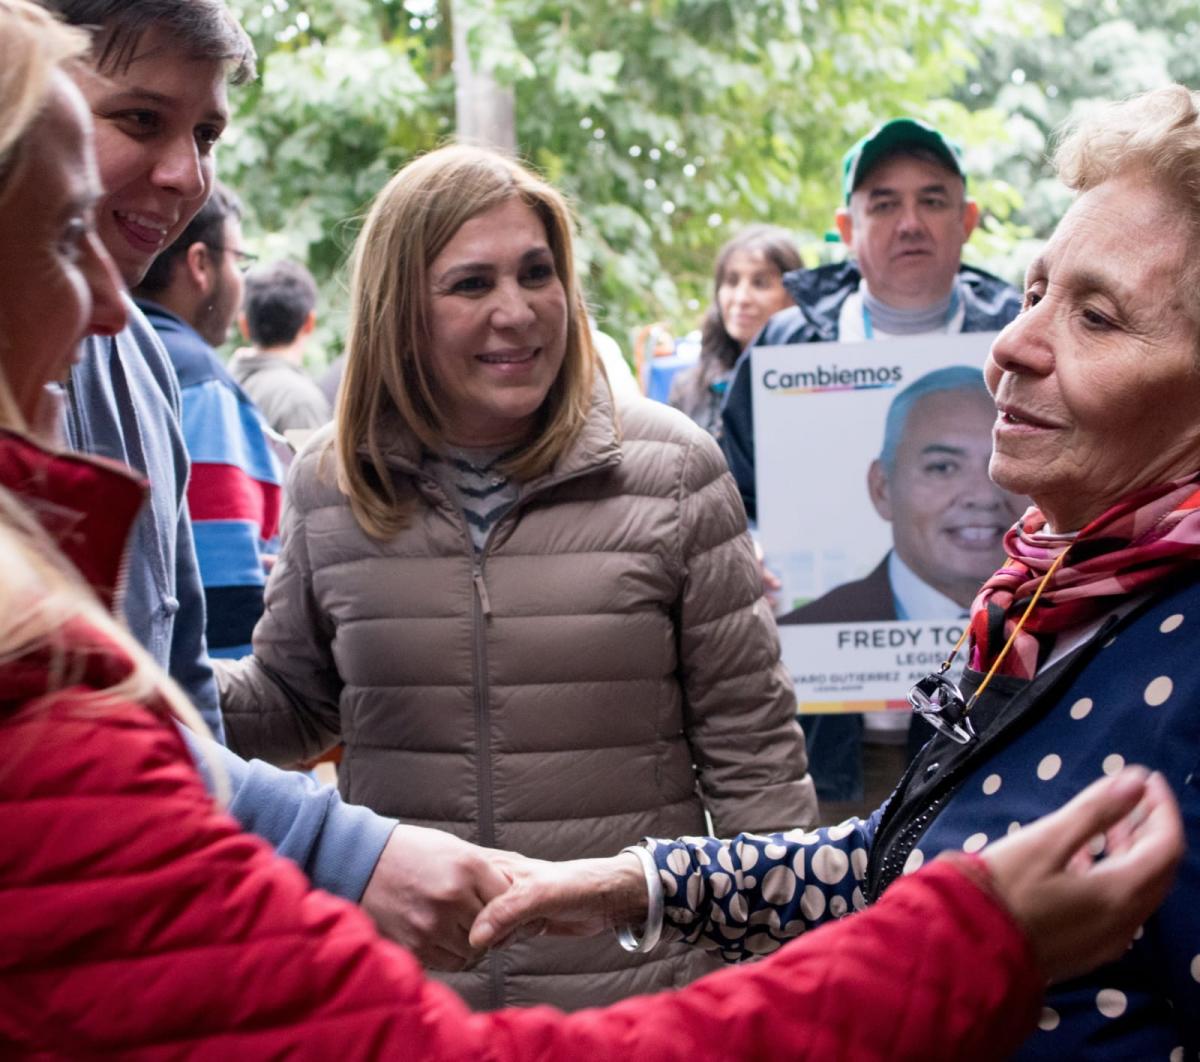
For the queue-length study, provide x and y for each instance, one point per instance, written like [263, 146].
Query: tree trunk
[485, 111]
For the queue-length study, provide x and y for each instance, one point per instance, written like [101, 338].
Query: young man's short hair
[279, 297]
[203, 29]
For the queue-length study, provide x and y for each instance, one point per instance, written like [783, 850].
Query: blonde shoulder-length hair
[41, 594]
[388, 382]
[34, 45]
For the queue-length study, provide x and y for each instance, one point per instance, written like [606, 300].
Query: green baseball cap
[911, 132]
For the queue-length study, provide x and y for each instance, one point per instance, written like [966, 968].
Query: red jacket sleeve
[136, 918]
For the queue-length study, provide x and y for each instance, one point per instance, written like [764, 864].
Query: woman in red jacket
[135, 917]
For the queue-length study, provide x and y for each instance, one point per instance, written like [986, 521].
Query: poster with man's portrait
[875, 508]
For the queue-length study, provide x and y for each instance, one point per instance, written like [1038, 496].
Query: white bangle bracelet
[652, 929]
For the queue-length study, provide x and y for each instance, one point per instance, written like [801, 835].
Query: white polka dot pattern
[677, 861]
[1171, 623]
[812, 906]
[1049, 1019]
[1049, 766]
[915, 858]
[830, 864]
[858, 863]
[975, 842]
[1112, 763]
[779, 885]
[798, 880]
[1196, 968]
[1111, 1002]
[991, 784]
[1158, 691]
[1082, 708]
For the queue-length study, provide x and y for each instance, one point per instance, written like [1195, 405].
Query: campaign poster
[875, 508]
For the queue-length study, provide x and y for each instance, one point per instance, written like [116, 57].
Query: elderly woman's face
[57, 282]
[499, 326]
[1096, 382]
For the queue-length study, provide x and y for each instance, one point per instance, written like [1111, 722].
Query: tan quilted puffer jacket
[604, 671]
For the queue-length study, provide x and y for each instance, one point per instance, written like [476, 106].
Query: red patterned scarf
[1135, 546]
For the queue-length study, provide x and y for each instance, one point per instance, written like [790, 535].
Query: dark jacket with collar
[988, 305]
[1128, 695]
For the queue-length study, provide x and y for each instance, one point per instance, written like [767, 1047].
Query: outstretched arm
[423, 888]
[1078, 911]
[742, 897]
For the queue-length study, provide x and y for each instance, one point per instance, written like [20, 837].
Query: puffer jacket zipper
[481, 614]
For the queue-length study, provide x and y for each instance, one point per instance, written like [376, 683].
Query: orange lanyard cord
[1011, 638]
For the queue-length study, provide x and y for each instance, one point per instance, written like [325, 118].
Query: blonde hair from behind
[388, 385]
[1155, 133]
[33, 47]
[40, 591]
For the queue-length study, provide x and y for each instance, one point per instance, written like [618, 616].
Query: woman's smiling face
[498, 314]
[1097, 381]
[57, 282]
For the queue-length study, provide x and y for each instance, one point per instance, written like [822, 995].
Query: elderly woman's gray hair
[1156, 132]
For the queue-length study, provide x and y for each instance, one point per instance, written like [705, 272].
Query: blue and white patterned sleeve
[749, 895]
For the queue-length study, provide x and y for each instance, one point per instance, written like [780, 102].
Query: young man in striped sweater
[191, 295]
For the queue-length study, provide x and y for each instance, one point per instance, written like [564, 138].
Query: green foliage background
[671, 123]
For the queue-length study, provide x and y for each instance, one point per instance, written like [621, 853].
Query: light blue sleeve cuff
[336, 844]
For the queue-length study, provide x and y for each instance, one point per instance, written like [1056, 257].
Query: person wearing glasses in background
[191, 295]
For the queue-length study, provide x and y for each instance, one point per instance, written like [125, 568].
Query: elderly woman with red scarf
[1082, 650]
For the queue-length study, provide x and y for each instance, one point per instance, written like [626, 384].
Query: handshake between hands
[449, 901]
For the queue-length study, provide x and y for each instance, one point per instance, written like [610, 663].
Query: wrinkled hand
[1081, 911]
[426, 890]
[578, 898]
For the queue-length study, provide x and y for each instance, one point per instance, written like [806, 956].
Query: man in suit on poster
[948, 521]
[948, 518]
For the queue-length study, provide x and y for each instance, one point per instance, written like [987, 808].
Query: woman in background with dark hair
[747, 289]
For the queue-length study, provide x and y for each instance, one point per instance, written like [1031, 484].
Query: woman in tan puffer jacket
[533, 620]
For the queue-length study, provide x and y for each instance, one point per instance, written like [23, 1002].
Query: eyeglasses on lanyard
[938, 700]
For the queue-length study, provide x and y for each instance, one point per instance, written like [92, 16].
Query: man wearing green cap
[905, 220]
